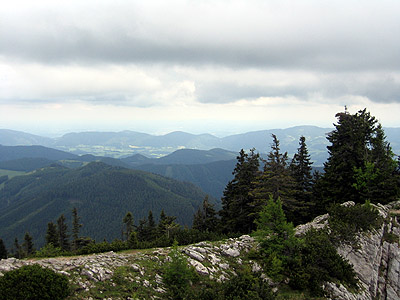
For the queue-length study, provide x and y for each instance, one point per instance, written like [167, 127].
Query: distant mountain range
[127, 143]
[102, 194]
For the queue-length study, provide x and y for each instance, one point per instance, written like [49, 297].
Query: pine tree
[52, 235]
[301, 171]
[358, 152]
[167, 224]
[28, 244]
[205, 218]
[277, 241]
[18, 250]
[62, 230]
[3, 250]
[237, 213]
[128, 221]
[276, 181]
[75, 228]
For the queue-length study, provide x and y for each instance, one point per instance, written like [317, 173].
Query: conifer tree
[28, 244]
[75, 228]
[359, 157]
[63, 237]
[52, 235]
[237, 213]
[3, 250]
[276, 181]
[167, 224]
[205, 218]
[151, 228]
[301, 171]
[128, 221]
[18, 249]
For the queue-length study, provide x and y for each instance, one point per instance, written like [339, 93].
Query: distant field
[10, 173]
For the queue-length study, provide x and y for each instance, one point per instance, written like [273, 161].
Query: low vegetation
[34, 282]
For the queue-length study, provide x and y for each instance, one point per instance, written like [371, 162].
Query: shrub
[346, 222]
[246, 285]
[320, 262]
[178, 275]
[50, 251]
[33, 282]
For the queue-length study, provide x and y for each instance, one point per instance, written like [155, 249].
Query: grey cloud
[296, 40]
[377, 88]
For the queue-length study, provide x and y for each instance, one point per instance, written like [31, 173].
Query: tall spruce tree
[18, 253]
[167, 224]
[276, 181]
[205, 219]
[28, 244]
[237, 213]
[360, 163]
[63, 237]
[128, 221]
[52, 235]
[75, 228]
[301, 171]
[3, 250]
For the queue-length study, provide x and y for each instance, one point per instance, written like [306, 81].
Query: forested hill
[101, 193]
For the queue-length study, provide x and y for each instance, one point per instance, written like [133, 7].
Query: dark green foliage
[307, 261]
[167, 225]
[133, 242]
[360, 164]
[49, 250]
[18, 252]
[52, 235]
[205, 218]
[246, 286]
[277, 240]
[276, 181]
[31, 201]
[3, 250]
[128, 223]
[62, 231]
[301, 171]
[32, 283]
[238, 212]
[346, 221]
[27, 246]
[320, 262]
[75, 228]
[178, 276]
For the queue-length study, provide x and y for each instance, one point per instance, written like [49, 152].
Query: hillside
[212, 177]
[102, 194]
[17, 152]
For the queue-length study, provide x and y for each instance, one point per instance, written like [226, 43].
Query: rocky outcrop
[376, 259]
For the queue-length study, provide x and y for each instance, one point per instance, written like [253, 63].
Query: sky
[220, 66]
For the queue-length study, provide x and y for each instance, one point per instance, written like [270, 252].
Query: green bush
[32, 283]
[246, 285]
[320, 262]
[178, 276]
[50, 251]
[346, 221]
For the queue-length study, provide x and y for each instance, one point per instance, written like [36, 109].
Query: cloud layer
[194, 53]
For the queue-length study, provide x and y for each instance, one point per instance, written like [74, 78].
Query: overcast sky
[198, 66]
